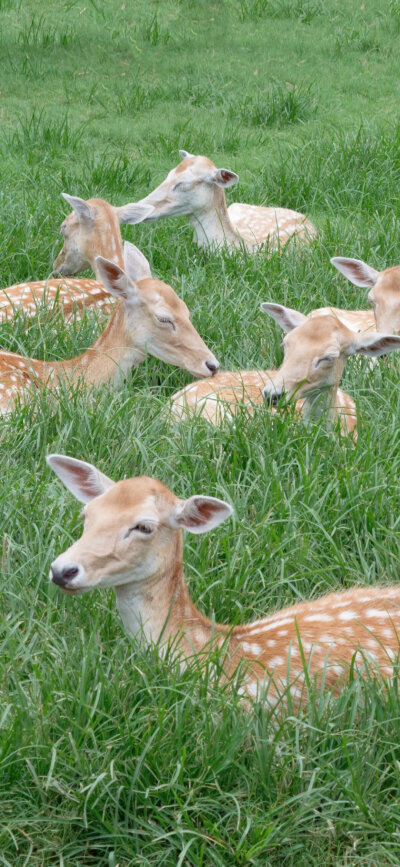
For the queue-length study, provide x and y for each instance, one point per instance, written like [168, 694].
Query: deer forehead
[133, 497]
[319, 332]
[193, 167]
[156, 292]
[388, 281]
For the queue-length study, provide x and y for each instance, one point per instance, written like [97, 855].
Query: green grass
[109, 756]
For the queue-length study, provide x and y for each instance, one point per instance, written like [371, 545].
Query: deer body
[132, 541]
[93, 229]
[150, 318]
[224, 395]
[195, 188]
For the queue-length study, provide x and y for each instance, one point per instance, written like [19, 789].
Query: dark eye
[145, 529]
[166, 320]
[327, 359]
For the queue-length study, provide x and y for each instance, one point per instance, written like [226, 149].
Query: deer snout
[213, 366]
[271, 395]
[65, 575]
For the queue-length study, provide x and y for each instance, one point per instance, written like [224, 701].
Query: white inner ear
[114, 278]
[357, 271]
[374, 344]
[83, 480]
[200, 514]
[134, 212]
[184, 154]
[81, 208]
[287, 318]
[136, 265]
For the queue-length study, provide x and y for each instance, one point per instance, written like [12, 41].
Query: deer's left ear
[81, 208]
[224, 177]
[83, 480]
[115, 280]
[200, 514]
[373, 344]
[134, 212]
[286, 317]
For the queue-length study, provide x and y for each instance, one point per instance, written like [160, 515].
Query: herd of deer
[132, 538]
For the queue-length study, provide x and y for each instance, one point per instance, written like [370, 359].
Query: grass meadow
[109, 756]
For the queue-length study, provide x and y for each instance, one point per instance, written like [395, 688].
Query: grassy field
[109, 756]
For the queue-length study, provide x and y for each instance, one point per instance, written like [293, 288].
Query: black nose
[62, 577]
[212, 366]
[273, 399]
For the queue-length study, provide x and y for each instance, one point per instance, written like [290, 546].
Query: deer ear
[200, 514]
[284, 316]
[115, 280]
[184, 154]
[134, 213]
[81, 208]
[83, 480]
[224, 178]
[373, 344]
[357, 271]
[136, 265]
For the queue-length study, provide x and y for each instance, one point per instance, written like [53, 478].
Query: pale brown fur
[85, 238]
[195, 188]
[137, 326]
[223, 395]
[326, 635]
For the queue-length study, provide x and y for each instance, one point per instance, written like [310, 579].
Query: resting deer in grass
[383, 295]
[150, 318]
[315, 354]
[91, 230]
[195, 188]
[132, 541]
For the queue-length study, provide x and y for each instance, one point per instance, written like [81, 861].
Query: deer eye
[143, 529]
[181, 185]
[327, 359]
[165, 320]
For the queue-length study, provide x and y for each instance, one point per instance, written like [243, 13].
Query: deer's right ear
[137, 266]
[115, 280]
[81, 208]
[357, 271]
[134, 213]
[200, 514]
[83, 480]
[183, 154]
[286, 317]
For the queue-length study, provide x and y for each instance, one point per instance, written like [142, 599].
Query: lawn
[109, 755]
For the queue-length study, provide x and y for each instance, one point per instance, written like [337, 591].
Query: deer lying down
[150, 318]
[195, 188]
[315, 354]
[132, 541]
[91, 230]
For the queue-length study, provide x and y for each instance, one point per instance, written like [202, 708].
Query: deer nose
[272, 398]
[64, 575]
[212, 366]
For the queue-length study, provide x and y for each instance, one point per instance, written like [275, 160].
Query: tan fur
[221, 396]
[330, 633]
[129, 334]
[82, 243]
[215, 224]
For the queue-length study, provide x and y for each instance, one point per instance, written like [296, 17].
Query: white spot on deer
[254, 649]
[376, 612]
[271, 642]
[348, 615]
[318, 618]
[252, 688]
[275, 661]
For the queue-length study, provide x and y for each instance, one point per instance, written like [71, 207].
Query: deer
[150, 318]
[196, 189]
[384, 291]
[315, 353]
[91, 230]
[132, 541]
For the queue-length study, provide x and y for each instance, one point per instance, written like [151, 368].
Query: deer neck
[212, 226]
[113, 353]
[321, 402]
[106, 242]
[160, 610]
